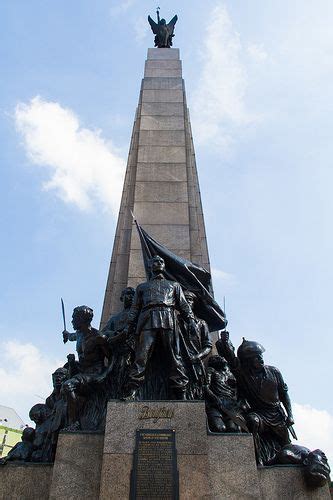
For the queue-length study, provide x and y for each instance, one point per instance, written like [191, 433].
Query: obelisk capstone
[161, 186]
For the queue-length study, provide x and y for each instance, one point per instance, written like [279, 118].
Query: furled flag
[190, 276]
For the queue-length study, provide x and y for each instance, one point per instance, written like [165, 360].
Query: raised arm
[226, 350]
[69, 336]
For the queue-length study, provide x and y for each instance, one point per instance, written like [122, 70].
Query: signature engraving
[155, 413]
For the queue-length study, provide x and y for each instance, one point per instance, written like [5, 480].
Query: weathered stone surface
[189, 422]
[163, 64]
[193, 476]
[174, 237]
[157, 83]
[115, 477]
[163, 54]
[162, 138]
[161, 154]
[287, 482]
[162, 95]
[25, 482]
[136, 266]
[163, 109]
[171, 213]
[152, 172]
[162, 123]
[171, 192]
[77, 466]
[232, 466]
[124, 240]
[209, 466]
[176, 73]
[122, 265]
[161, 213]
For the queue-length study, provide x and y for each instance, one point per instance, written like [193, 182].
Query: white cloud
[83, 167]
[256, 52]
[218, 103]
[25, 374]
[314, 429]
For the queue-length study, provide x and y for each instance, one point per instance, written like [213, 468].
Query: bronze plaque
[154, 475]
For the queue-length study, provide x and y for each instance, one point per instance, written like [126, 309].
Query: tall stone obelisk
[161, 184]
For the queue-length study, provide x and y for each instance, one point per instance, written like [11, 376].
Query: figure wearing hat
[153, 318]
[265, 391]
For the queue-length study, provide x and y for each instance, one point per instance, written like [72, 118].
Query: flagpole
[143, 242]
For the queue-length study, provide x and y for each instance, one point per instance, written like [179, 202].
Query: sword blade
[63, 313]
[292, 432]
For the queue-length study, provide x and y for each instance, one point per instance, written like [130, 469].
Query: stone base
[190, 425]
[92, 466]
[25, 481]
[211, 466]
[287, 482]
[77, 466]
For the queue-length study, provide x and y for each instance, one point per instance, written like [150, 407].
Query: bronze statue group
[158, 348]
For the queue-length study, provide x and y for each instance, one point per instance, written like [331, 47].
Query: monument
[146, 409]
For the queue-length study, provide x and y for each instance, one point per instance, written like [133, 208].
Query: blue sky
[259, 86]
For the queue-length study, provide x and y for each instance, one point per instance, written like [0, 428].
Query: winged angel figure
[163, 32]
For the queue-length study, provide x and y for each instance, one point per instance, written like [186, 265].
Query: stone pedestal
[287, 482]
[92, 466]
[25, 481]
[211, 466]
[188, 421]
[77, 466]
[232, 467]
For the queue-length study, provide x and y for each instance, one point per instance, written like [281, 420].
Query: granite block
[162, 213]
[115, 477]
[232, 466]
[171, 192]
[162, 138]
[287, 482]
[157, 83]
[162, 122]
[196, 242]
[124, 239]
[77, 466]
[175, 237]
[189, 422]
[234, 486]
[25, 481]
[167, 73]
[163, 54]
[163, 64]
[161, 172]
[162, 154]
[121, 267]
[136, 266]
[163, 109]
[193, 476]
[232, 451]
[162, 95]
